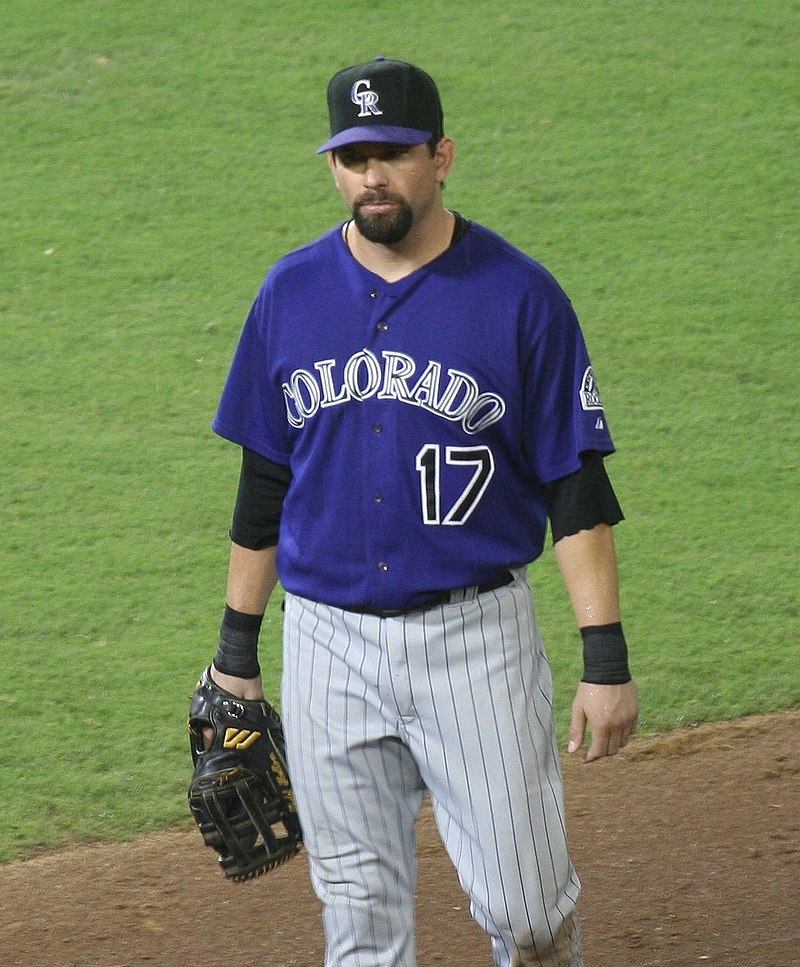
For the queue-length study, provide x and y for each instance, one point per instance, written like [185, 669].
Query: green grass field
[159, 157]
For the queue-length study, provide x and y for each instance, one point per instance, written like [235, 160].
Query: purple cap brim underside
[376, 134]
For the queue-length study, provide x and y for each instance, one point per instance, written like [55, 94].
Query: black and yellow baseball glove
[240, 794]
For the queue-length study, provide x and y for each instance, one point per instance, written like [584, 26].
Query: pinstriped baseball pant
[456, 700]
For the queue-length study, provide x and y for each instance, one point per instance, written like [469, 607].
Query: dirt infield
[688, 847]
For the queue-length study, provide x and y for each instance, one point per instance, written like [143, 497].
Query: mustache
[370, 197]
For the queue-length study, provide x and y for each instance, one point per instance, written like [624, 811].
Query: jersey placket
[383, 528]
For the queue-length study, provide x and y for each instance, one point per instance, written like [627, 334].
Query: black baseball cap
[386, 101]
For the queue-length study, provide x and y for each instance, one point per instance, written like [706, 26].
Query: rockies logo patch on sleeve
[590, 392]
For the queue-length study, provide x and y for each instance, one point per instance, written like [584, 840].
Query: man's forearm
[588, 564]
[252, 576]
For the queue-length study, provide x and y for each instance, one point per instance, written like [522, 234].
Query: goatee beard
[384, 229]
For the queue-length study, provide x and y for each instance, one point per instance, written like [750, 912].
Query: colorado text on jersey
[389, 376]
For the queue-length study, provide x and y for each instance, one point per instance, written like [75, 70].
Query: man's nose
[375, 173]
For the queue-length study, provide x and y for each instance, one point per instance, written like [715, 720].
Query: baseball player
[414, 401]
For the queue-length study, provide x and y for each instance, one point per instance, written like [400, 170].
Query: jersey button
[373, 294]
[378, 428]
[378, 498]
[382, 326]
[383, 566]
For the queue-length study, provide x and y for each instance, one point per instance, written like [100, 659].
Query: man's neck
[423, 244]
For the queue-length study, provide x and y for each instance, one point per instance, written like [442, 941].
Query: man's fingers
[598, 748]
[577, 729]
[606, 742]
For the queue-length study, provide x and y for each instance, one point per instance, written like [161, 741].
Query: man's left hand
[612, 714]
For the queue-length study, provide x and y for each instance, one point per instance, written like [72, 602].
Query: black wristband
[605, 655]
[237, 653]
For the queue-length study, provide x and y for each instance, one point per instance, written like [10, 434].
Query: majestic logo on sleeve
[590, 392]
[364, 98]
[450, 394]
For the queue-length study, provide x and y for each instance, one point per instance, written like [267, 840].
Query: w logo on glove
[239, 738]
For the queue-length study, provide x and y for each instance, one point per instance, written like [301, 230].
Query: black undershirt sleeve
[259, 501]
[582, 500]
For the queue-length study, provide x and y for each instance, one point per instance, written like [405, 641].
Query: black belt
[443, 597]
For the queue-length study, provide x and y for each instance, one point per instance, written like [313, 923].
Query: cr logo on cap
[366, 99]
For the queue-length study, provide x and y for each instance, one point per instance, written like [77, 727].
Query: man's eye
[350, 159]
[357, 159]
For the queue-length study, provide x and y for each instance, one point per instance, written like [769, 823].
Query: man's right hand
[247, 688]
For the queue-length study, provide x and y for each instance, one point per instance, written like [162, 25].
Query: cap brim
[376, 134]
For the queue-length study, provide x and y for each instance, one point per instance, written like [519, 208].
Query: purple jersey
[420, 418]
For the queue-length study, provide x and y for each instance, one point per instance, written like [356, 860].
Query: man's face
[388, 187]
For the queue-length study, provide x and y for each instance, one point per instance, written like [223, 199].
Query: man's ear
[444, 158]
